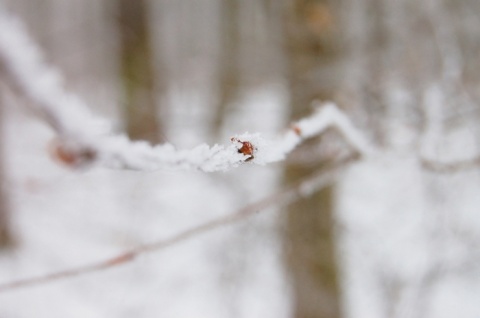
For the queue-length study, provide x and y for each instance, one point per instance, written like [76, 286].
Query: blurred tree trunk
[309, 242]
[229, 71]
[138, 73]
[5, 230]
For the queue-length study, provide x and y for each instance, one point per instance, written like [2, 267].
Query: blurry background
[391, 237]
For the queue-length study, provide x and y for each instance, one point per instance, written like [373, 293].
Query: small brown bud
[247, 148]
[71, 156]
[297, 130]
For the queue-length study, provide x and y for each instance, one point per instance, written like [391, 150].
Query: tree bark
[5, 225]
[138, 74]
[229, 71]
[309, 243]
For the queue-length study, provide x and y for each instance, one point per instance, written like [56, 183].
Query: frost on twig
[83, 138]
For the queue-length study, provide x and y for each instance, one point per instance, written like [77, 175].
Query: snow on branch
[84, 139]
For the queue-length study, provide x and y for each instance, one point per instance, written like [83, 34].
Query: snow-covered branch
[84, 139]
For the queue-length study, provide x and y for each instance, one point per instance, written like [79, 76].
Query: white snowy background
[407, 236]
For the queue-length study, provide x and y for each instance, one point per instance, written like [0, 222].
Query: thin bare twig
[304, 187]
[450, 167]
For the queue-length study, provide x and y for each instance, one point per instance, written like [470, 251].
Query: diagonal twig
[302, 188]
[450, 167]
